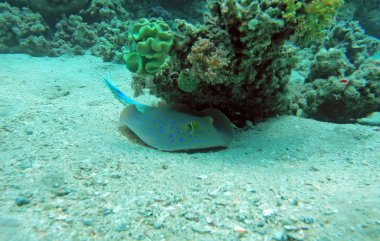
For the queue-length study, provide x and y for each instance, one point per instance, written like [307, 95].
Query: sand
[68, 172]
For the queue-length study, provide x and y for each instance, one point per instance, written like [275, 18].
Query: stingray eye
[189, 126]
[195, 124]
[192, 126]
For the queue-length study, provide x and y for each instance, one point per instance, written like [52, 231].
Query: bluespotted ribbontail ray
[174, 127]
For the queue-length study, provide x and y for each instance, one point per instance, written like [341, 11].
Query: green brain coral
[149, 44]
[186, 81]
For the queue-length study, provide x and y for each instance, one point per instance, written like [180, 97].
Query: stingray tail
[122, 97]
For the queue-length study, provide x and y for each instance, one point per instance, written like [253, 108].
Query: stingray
[174, 127]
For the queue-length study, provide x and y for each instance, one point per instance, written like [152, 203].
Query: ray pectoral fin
[124, 115]
[209, 119]
[221, 123]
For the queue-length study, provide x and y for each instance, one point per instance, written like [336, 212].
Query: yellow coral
[310, 20]
[323, 11]
[207, 60]
[290, 13]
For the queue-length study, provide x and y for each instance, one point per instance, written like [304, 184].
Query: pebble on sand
[122, 227]
[20, 201]
[201, 229]
[88, 221]
[240, 230]
[280, 235]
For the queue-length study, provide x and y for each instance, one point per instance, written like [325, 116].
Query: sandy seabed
[68, 173]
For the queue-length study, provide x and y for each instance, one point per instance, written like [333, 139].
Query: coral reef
[105, 11]
[330, 62]
[344, 83]
[239, 58]
[168, 10]
[207, 61]
[75, 27]
[310, 19]
[351, 39]
[345, 100]
[53, 9]
[22, 31]
[367, 13]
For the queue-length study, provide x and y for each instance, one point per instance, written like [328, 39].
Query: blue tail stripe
[122, 97]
